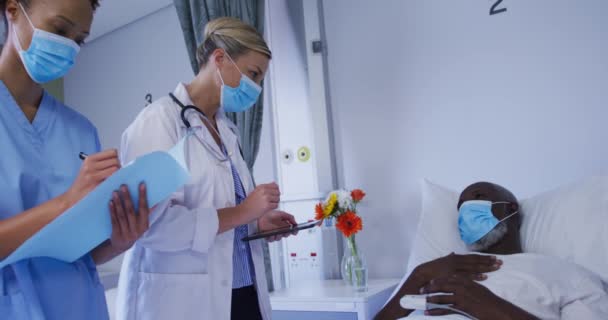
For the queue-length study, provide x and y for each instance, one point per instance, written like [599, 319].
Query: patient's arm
[472, 266]
[471, 297]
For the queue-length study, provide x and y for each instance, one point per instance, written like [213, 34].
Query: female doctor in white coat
[191, 263]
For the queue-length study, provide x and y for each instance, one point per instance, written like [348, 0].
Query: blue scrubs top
[39, 161]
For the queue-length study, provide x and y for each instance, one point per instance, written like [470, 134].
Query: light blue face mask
[476, 219]
[49, 56]
[241, 98]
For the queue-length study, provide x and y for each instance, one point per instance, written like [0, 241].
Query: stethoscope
[224, 157]
[221, 157]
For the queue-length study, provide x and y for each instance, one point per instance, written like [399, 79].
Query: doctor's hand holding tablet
[262, 199]
[261, 205]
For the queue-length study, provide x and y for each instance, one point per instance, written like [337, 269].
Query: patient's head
[504, 238]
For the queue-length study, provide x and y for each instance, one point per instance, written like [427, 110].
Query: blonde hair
[232, 35]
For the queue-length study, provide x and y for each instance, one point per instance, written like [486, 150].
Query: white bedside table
[331, 300]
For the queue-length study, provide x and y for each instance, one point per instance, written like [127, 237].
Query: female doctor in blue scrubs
[40, 140]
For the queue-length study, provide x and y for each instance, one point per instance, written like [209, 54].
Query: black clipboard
[280, 231]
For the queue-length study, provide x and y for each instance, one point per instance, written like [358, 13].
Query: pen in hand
[82, 156]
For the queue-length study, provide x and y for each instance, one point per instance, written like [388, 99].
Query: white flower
[345, 201]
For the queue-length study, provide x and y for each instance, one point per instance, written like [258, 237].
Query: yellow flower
[330, 205]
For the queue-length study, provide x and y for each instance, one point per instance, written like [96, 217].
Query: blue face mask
[241, 98]
[49, 56]
[476, 220]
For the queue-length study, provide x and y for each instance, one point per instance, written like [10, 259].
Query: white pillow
[437, 233]
[570, 223]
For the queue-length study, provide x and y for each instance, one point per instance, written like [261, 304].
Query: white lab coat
[181, 268]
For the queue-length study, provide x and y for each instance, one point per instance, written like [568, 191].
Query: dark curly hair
[26, 3]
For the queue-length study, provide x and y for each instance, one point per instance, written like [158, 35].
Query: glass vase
[354, 266]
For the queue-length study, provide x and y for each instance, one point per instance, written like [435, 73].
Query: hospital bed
[569, 223]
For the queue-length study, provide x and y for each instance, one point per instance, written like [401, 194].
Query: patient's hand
[472, 298]
[472, 266]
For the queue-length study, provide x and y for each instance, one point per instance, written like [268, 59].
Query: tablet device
[281, 231]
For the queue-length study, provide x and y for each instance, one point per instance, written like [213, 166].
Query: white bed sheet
[547, 287]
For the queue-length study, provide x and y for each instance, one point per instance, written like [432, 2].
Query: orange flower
[319, 214]
[357, 195]
[349, 223]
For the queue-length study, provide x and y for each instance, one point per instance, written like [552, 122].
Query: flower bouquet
[341, 205]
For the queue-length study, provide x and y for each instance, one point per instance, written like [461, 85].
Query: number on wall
[148, 99]
[494, 11]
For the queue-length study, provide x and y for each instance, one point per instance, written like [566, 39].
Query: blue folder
[87, 224]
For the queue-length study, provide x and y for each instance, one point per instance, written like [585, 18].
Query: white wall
[113, 14]
[442, 90]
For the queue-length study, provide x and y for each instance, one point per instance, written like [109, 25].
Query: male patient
[505, 283]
